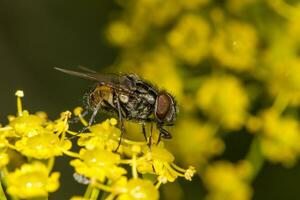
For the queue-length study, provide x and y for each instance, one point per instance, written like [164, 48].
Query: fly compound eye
[162, 106]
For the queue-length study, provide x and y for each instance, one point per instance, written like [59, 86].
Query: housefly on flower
[131, 98]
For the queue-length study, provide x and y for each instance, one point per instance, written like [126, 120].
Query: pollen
[19, 93]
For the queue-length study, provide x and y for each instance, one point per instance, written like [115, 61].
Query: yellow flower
[32, 181]
[282, 69]
[98, 164]
[224, 99]
[102, 135]
[155, 65]
[195, 142]
[237, 6]
[193, 4]
[189, 39]
[234, 46]
[138, 189]
[119, 33]
[26, 125]
[159, 161]
[3, 134]
[226, 181]
[42, 146]
[280, 138]
[4, 159]
[79, 198]
[155, 12]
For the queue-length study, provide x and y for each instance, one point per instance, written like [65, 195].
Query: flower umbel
[31, 181]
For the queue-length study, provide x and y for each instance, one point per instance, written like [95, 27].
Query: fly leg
[145, 135]
[163, 134]
[121, 123]
[91, 121]
[144, 132]
[76, 119]
[150, 138]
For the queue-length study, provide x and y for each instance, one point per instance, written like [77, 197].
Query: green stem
[110, 197]
[133, 168]
[51, 162]
[2, 194]
[255, 157]
[95, 194]
[4, 174]
[281, 102]
[88, 192]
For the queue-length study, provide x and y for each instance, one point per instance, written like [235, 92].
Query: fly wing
[114, 80]
[86, 69]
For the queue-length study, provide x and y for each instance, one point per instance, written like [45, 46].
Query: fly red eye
[163, 104]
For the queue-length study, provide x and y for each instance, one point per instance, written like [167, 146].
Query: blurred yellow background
[233, 66]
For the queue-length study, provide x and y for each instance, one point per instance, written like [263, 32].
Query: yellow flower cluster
[32, 180]
[233, 66]
[202, 142]
[227, 181]
[189, 38]
[101, 161]
[271, 127]
[224, 99]
[38, 139]
[234, 46]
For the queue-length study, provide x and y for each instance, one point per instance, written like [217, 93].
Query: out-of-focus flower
[189, 38]
[293, 28]
[279, 137]
[195, 143]
[156, 12]
[32, 181]
[193, 4]
[234, 46]
[119, 33]
[224, 99]
[137, 189]
[282, 69]
[227, 181]
[98, 164]
[237, 6]
[156, 65]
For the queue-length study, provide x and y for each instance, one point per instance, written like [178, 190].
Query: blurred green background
[36, 36]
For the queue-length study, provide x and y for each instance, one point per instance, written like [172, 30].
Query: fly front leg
[76, 119]
[92, 119]
[163, 133]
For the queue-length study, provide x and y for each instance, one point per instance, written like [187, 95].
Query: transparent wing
[113, 80]
[86, 69]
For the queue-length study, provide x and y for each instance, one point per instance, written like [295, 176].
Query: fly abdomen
[100, 95]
